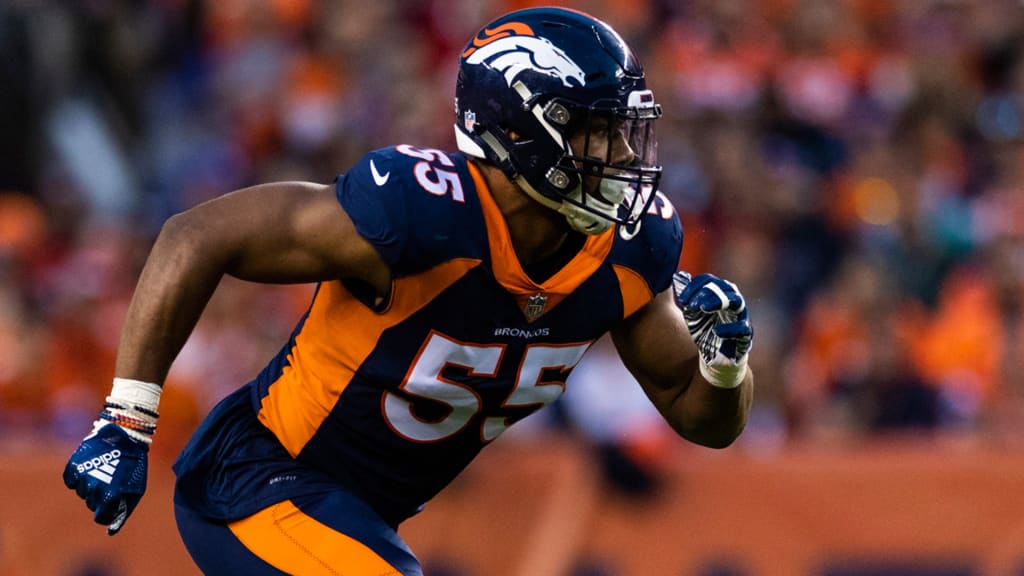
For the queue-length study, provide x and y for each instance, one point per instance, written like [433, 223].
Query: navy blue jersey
[393, 400]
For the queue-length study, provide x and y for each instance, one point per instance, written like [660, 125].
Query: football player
[456, 291]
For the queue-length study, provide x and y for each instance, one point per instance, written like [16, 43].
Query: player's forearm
[179, 277]
[711, 416]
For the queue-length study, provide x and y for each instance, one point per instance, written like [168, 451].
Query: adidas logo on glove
[101, 467]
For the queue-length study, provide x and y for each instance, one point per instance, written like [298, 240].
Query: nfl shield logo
[535, 306]
[469, 120]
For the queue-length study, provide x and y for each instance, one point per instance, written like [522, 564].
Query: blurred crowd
[856, 166]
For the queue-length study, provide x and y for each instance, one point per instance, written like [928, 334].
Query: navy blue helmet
[540, 93]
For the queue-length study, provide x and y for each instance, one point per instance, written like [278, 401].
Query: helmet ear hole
[559, 179]
[557, 114]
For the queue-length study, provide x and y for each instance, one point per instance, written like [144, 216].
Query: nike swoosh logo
[380, 179]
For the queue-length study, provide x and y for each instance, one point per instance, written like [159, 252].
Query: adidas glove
[717, 318]
[109, 468]
[108, 471]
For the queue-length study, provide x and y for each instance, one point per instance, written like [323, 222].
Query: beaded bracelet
[128, 422]
[140, 409]
[132, 405]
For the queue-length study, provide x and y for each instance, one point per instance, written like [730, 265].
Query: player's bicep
[284, 232]
[657, 348]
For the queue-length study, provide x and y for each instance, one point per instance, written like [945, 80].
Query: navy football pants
[330, 534]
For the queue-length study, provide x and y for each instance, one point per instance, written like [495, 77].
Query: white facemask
[587, 222]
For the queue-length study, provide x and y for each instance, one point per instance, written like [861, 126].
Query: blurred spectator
[857, 166]
[18, 162]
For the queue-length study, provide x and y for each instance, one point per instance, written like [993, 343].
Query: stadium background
[856, 166]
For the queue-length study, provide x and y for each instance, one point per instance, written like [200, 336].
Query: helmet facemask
[608, 170]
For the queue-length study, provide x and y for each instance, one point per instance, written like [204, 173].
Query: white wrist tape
[132, 405]
[725, 374]
[137, 392]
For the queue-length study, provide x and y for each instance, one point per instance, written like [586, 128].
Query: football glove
[108, 471]
[717, 318]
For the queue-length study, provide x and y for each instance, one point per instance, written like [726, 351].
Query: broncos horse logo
[513, 47]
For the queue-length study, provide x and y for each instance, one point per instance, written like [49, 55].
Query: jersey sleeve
[376, 204]
[653, 254]
[391, 199]
[665, 242]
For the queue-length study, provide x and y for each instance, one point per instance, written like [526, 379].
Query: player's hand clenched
[108, 471]
[716, 315]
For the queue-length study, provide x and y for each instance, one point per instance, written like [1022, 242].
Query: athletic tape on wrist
[136, 393]
[724, 375]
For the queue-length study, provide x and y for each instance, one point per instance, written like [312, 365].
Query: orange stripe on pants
[291, 541]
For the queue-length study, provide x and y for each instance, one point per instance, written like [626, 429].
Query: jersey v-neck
[535, 298]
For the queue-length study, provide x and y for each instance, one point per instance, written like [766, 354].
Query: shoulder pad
[654, 251]
[408, 202]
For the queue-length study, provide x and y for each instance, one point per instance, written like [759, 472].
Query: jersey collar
[533, 298]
